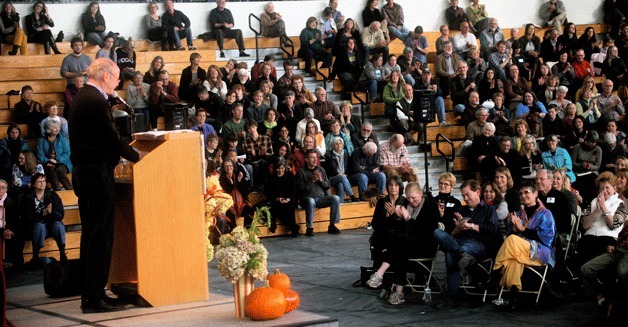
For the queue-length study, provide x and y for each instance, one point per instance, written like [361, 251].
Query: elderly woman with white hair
[561, 101]
[337, 168]
[612, 150]
[53, 152]
[483, 151]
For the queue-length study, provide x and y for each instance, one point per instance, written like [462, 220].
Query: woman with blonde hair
[587, 84]
[622, 183]
[505, 184]
[521, 131]
[621, 163]
[349, 124]
[563, 183]
[530, 158]
[156, 66]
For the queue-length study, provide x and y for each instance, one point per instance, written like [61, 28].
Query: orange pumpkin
[279, 281]
[265, 303]
[292, 300]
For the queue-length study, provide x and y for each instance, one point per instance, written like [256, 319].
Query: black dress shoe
[101, 306]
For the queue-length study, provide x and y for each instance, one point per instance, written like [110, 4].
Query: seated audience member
[491, 196]
[161, 92]
[530, 242]
[338, 16]
[364, 135]
[191, 77]
[257, 69]
[29, 111]
[156, 66]
[373, 78]
[126, 60]
[402, 117]
[349, 123]
[554, 200]
[137, 96]
[470, 112]
[235, 126]
[552, 124]
[529, 101]
[462, 85]
[53, 152]
[93, 24]
[477, 65]
[535, 122]
[576, 132]
[490, 37]
[473, 238]
[602, 274]
[561, 101]
[563, 184]
[337, 166]
[371, 14]
[42, 210]
[282, 137]
[530, 47]
[313, 192]
[614, 68]
[612, 151]
[514, 38]
[233, 181]
[284, 83]
[557, 158]
[70, 91]
[420, 219]
[455, 15]
[564, 70]
[540, 79]
[336, 132]
[53, 110]
[587, 107]
[547, 92]
[304, 97]
[154, 26]
[610, 105]
[447, 204]
[393, 91]
[483, 152]
[489, 85]
[349, 31]
[446, 66]
[393, 155]
[551, 48]
[501, 116]
[258, 149]
[554, 14]
[312, 46]
[269, 125]
[282, 194]
[258, 108]
[374, 41]
[601, 225]
[38, 26]
[177, 24]
[589, 43]
[588, 84]
[506, 156]
[273, 24]
[12, 145]
[309, 143]
[328, 27]
[426, 82]
[11, 31]
[500, 60]
[515, 87]
[581, 68]
[324, 110]
[474, 128]
[395, 19]
[364, 168]
[478, 17]
[521, 131]
[417, 44]
[213, 106]
[213, 151]
[519, 59]
[23, 171]
[201, 126]
[586, 158]
[530, 159]
[464, 41]
[268, 98]
[391, 65]
[505, 184]
[302, 126]
[444, 37]
[266, 75]
[611, 128]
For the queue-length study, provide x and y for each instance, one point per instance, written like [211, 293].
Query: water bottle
[499, 301]
[427, 295]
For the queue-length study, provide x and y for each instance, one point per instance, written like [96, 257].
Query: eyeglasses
[525, 192]
[3, 187]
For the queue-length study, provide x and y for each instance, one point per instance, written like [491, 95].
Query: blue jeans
[409, 79]
[184, 32]
[363, 181]
[439, 104]
[309, 204]
[341, 183]
[401, 34]
[373, 87]
[459, 109]
[56, 229]
[97, 38]
[453, 248]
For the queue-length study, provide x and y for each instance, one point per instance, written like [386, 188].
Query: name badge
[449, 205]
[551, 200]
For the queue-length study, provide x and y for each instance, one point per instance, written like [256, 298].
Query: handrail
[319, 72]
[283, 41]
[257, 32]
[453, 150]
[362, 103]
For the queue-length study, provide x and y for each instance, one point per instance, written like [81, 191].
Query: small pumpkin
[279, 281]
[292, 300]
[265, 303]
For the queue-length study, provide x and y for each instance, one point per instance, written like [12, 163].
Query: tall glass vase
[243, 287]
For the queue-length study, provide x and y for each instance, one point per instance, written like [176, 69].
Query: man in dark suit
[96, 149]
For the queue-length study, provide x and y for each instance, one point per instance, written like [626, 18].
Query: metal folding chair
[427, 265]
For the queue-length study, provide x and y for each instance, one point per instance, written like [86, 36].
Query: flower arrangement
[241, 252]
[216, 202]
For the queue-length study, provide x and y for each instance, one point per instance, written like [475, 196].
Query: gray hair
[339, 139]
[563, 88]
[370, 147]
[490, 126]
[243, 72]
[309, 111]
[610, 138]
[480, 110]
[49, 125]
[367, 123]
[318, 89]
[290, 93]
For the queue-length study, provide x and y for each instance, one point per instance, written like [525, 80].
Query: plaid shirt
[388, 156]
[262, 146]
[605, 104]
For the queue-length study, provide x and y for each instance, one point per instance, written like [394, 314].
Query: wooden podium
[160, 244]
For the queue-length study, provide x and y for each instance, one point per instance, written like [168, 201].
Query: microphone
[118, 98]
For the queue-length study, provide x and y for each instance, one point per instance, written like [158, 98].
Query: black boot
[13, 52]
[47, 47]
[514, 297]
[53, 45]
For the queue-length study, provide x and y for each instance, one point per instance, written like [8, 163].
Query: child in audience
[201, 126]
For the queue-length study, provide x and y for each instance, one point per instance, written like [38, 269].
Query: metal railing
[285, 44]
[447, 158]
[317, 71]
[362, 102]
[257, 32]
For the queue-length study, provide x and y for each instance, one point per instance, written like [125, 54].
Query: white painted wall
[127, 18]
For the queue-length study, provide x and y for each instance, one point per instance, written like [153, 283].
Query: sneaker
[222, 54]
[396, 298]
[309, 232]
[332, 229]
[181, 48]
[445, 123]
[244, 54]
[191, 47]
[375, 281]
[466, 260]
